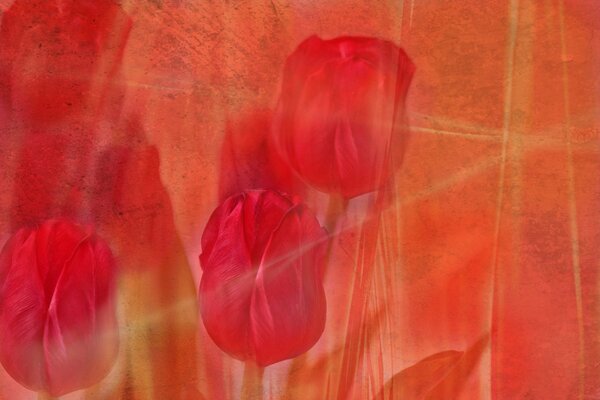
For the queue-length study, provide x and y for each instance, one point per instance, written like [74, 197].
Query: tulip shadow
[58, 59]
[249, 160]
[45, 184]
[132, 206]
[59, 64]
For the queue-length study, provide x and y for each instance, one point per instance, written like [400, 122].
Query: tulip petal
[210, 235]
[273, 307]
[104, 272]
[454, 382]
[61, 337]
[78, 343]
[351, 121]
[7, 255]
[263, 212]
[309, 60]
[346, 154]
[306, 60]
[417, 380]
[22, 314]
[341, 102]
[56, 240]
[288, 305]
[317, 113]
[227, 282]
[370, 118]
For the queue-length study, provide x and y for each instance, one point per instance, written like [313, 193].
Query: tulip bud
[261, 293]
[340, 112]
[58, 329]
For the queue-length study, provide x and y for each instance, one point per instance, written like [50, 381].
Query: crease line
[574, 233]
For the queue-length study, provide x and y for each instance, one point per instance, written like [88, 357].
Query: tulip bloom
[57, 315]
[341, 110]
[261, 293]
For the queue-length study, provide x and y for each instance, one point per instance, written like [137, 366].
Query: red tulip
[261, 293]
[57, 315]
[340, 112]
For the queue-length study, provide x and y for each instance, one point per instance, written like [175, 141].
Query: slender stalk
[335, 209]
[252, 384]
[46, 396]
[365, 265]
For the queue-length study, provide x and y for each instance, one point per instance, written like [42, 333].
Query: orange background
[495, 225]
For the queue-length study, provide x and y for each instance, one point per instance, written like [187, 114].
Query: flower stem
[365, 264]
[335, 209]
[45, 396]
[252, 385]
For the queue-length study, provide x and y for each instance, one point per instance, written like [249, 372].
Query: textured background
[495, 228]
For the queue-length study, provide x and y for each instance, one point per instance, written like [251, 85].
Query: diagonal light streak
[462, 126]
[466, 135]
[451, 181]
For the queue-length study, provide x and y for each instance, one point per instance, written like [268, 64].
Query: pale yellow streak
[455, 124]
[189, 89]
[139, 355]
[546, 139]
[510, 60]
[133, 333]
[465, 135]
[401, 17]
[572, 208]
[455, 179]
[386, 245]
[182, 307]
[550, 138]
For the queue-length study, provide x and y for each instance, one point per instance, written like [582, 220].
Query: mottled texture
[493, 226]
